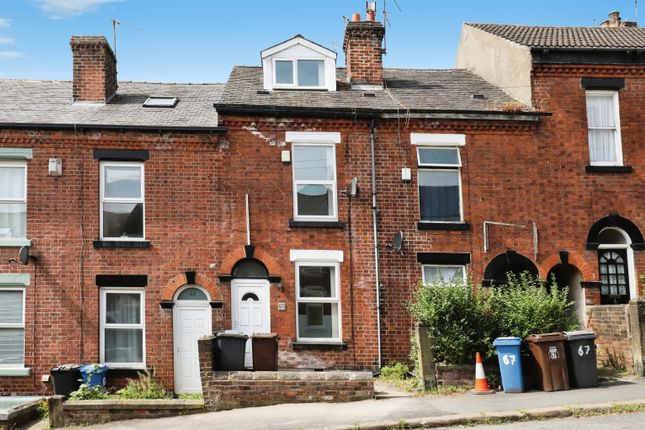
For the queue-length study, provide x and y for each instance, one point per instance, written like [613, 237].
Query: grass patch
[614, 410]
[190, 396]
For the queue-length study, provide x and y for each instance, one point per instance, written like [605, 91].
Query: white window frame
[13, 164]
[104, 199]
[294, 73]
[141, 325]
[321, 300]
[440, 168]
[333, 183]
[423, 272]
[17, 325]
[616, 129]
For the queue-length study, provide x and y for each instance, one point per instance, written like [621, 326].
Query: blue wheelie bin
[94, 375]
[510, 363]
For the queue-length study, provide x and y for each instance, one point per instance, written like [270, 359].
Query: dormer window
[300, 73]
[299, 64]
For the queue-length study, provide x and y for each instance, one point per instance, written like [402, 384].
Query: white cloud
[60, 9]
[6, 41]
[4, 22]
[10, 55]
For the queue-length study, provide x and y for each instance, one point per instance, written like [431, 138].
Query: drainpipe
[376, 255]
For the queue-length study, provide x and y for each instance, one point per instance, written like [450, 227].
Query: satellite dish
[353, 187]
[23, 255]
[397, 242]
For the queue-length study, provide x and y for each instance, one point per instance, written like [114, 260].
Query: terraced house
[309, 199]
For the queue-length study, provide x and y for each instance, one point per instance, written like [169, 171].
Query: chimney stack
[94, 69]
[615, 21]
[364, 52]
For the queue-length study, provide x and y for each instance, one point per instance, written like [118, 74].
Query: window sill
[316, 224]
[340, 346]
[121, 244]
[21, 371]
[609, 169]
[444, 226]
[14, 242]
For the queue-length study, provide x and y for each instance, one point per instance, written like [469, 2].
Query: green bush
[395, 371]
[463, 320]
[526, 305]
[85, 392]
[460, 319]
[146, 387]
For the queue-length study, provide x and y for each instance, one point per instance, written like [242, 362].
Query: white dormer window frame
[295, 77]
[295, 50]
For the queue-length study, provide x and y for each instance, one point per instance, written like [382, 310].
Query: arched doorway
[508, 262]
[615, 266]
[192, 319]
[567, 275]
[250, 298]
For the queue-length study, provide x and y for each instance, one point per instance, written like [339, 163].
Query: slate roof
[50, 102]
[568, 37]
[416, 90]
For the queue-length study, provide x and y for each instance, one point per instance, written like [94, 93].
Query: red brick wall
[611, 323]
[184, 203]
[364, 53]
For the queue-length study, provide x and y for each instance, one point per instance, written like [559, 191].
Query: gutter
[335, 113]
[85, 127]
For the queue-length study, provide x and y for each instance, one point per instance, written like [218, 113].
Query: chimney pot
[370, 16]
[356, 17]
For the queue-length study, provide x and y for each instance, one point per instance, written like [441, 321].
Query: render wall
[499, 61]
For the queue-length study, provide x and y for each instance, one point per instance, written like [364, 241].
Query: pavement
[393, 408]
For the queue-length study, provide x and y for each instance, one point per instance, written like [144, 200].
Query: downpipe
[376, 250]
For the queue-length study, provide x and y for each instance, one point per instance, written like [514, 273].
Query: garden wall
[611, 323]
[85, 412]
[228, 390]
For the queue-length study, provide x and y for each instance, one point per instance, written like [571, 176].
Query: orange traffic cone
[481, 385]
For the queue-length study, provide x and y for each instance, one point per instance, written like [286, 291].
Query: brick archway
[180, 280]
[239, 254]
[588, 273]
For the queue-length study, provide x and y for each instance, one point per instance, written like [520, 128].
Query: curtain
[12, 339]
[601, 119]
[439, 195]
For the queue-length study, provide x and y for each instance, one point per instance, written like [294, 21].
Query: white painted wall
[499, 61]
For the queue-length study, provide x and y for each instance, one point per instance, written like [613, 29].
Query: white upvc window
[603, 122]
[304, 73]
[13, 200]
[123, 336]
[314, 182]
[318, 302]
[447, 273]
[122, 201]
[12, 327]
[439, 177]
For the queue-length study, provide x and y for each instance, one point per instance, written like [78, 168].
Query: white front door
[191, 320]
[250, 310]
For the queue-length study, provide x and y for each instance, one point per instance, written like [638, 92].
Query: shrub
[527, 305]
[459, 318]
[85, 392]
[395, 371]
[146, 387]
[463, 320]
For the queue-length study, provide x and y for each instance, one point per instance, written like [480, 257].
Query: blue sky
[200, 40]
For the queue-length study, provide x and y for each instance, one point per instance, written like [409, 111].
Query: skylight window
[162, 102]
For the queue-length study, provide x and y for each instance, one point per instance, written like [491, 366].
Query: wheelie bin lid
[580, 334]
[265, 335]
[507, 341]
[545, 337]
[94, 368]
[231, 334]
[66, 367]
